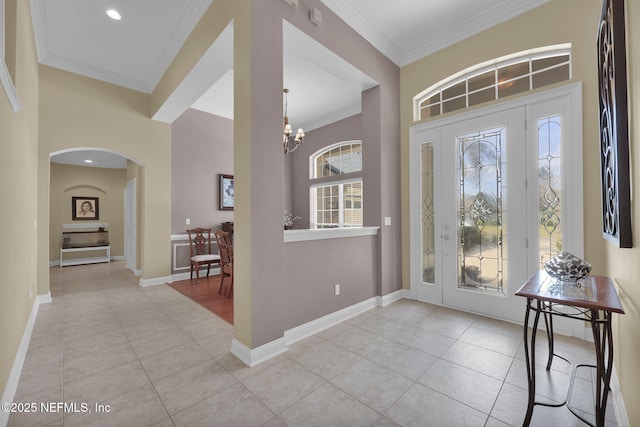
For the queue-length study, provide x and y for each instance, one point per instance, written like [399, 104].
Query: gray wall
[271, 274]
[201, 148]
[313, 268]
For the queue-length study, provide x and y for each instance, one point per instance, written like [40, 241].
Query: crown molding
[9, 88]
[353, 16]
[183, 29]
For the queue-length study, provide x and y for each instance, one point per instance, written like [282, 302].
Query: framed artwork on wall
[614, 133]
[226, 192]
[85, 208]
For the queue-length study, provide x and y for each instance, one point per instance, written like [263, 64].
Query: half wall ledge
[328, 233]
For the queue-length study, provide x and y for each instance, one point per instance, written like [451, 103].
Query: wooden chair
[200, 250]
[225, 249]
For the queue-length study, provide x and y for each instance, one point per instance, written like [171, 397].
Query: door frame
[573, 174]
[130, 225]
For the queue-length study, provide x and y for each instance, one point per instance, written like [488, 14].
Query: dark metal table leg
[602, 337]
[548, 321]
[530, 357]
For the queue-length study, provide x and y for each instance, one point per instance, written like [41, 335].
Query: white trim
[310, 328]
[360, 22]
[573, 233]
[87, 225]
[174, 250]
[44, 298]
[326, 181]
[163, 280]
[113, 258]
[493, 64]
[615, 394]
[387, 299]
[175, 257]
[203, 273]
[328, 233]
[179, 34]
[9, 88]
[5, 75]
[313, 158]
[92, 260]
[252, 357]
[18, 362]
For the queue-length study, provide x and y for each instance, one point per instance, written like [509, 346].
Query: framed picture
[614, 133]
[85, 208]
[226, 192]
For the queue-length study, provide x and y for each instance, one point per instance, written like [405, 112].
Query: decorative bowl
[567, 267]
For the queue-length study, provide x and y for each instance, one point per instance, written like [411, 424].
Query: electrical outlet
[337, 289]
[31, 292]
[187, 221]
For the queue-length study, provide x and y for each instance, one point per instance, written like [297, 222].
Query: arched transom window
[496, 79]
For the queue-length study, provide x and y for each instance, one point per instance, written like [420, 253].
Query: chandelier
[290, 142]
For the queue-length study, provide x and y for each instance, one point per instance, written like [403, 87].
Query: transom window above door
[496, 79]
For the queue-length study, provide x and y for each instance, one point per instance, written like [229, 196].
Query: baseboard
[44, 298]
[14, 375]
[203, 273]
[385, 300]
[135, 271]
[155, 281]
[82, 261]
[622, 419]
[310, 328]
[252, 357]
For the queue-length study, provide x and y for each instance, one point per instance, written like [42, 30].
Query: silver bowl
[567, 267]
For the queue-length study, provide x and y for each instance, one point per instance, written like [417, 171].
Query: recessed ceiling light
[88, 161]
[113, 14]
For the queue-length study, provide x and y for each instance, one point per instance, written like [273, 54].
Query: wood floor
[206, 294]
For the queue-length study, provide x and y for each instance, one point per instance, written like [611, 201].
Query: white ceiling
[77, 36]
[98, 158]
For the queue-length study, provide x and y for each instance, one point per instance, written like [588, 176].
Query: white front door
[488, 197]
[484, 213]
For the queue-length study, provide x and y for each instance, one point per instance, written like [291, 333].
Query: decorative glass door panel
[428, 218]
[480, 256]
[484, 206]
[549, 186]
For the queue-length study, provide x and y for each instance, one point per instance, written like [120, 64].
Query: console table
[82, 241]
[594, 301]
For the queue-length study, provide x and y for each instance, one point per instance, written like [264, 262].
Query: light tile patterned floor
[156, 358]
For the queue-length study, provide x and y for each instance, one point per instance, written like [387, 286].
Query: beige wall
[18, 186]
[78, 112]
[559, 21]
[79, 181]
[564, 21]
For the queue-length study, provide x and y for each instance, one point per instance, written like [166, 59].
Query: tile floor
[154, 357]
